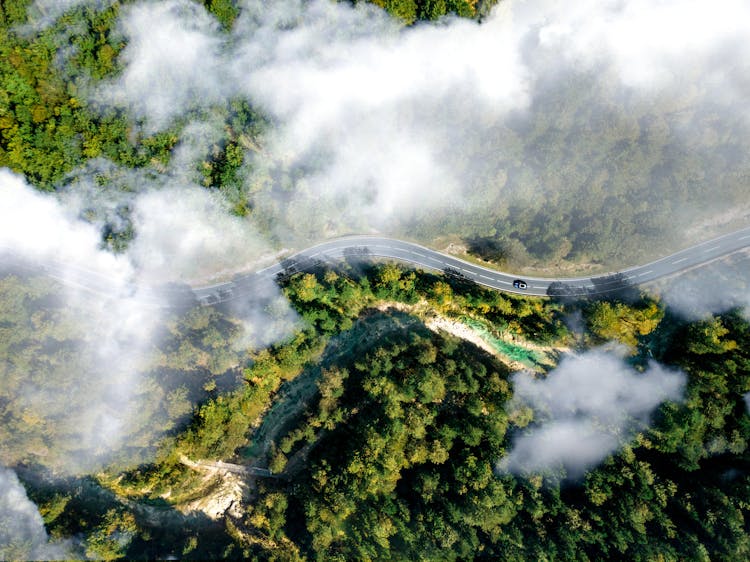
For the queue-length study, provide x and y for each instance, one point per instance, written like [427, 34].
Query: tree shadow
[459, 282]
[487, 248]
[162, 532]
[616, 286]
[302, 264]
[606, 287]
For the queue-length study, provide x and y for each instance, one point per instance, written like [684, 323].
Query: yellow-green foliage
[624, 323]
[410, 11]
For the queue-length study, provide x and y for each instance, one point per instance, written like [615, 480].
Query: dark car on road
[518, 284]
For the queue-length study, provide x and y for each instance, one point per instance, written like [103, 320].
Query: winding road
[366, 247]
[363, 247]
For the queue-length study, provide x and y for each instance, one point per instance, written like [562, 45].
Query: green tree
[110, 539]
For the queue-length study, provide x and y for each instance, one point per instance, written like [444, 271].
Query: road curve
[364, 247]
[367, 247]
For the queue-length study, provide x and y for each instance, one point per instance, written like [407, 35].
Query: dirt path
[226, 489]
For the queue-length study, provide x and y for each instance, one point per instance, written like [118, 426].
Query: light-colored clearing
[735, 217]
[464, 332]
[437, 323]
[224, 492]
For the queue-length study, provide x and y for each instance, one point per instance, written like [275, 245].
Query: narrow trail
[230, 467]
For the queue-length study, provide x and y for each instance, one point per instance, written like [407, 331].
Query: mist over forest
[545, 129]
[155, 145]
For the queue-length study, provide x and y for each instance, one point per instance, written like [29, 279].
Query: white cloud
[22, 533]
[313, 62]
[651, 43]
[320, 75]
[576, 445]
[35, 225]
[172, 47]
[714, 289]
[197, 140]
[369, 110]
[342, 82]
[186, 233]
[384, 124]
[104, 301]
[98, 397]
[43, 13]
[376, 122]
[585, 409]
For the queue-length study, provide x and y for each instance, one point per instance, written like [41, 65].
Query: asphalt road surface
[364, 247]
[360, 248]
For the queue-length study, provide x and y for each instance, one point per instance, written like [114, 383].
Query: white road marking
[400, 252]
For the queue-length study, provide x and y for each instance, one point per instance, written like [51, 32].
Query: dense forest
[49, 354]
[401, 441]
[384, 437]
[48, 127]
[376, 432]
